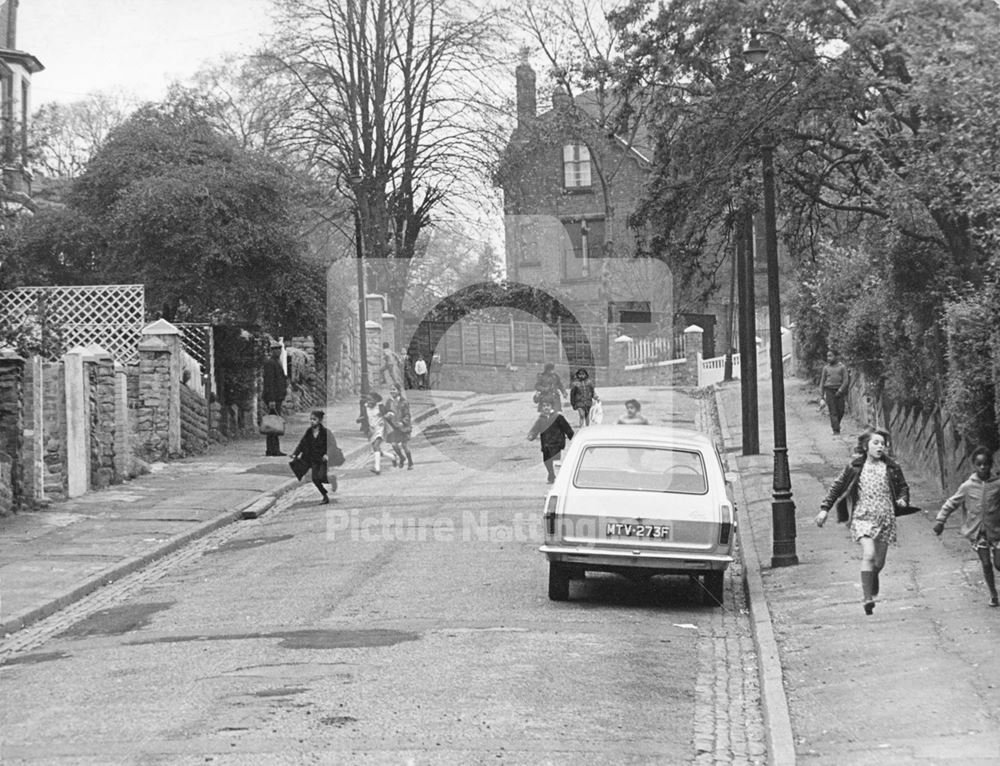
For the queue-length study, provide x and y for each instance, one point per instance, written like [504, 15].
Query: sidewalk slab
[913, 683]
[53, 557]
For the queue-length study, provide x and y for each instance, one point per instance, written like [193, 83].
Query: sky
[140, 46]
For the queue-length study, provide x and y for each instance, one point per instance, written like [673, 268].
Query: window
[24, 121]
[576, 166]
[586, 242]
[650, 469]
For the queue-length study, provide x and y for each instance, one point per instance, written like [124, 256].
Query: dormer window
[576, 166]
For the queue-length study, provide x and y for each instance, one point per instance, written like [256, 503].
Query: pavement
[53, 557]
[915, 683]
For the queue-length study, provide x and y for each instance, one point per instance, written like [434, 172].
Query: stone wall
[152, 410]
[103, 423]
[194, 422]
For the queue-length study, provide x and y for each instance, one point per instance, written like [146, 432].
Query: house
[569, 184]
[16, 69]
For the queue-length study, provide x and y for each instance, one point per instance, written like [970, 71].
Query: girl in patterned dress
[866, 494]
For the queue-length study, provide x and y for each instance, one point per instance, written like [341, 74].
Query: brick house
[569, 188]
[16, 69]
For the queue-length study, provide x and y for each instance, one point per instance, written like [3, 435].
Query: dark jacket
[313, 448]
[552, 431]
[581, 394]
[275, 381]
[843, 492]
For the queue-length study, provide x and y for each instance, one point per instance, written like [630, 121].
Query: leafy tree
[879, 114]
[168, 202]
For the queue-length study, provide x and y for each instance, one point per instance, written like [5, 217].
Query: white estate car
[639, 500]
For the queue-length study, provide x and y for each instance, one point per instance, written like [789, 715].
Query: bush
[970, 395]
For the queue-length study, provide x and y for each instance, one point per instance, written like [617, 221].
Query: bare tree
[63, 137]
[394, 99]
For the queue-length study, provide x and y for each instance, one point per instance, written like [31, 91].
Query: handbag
[335, 455]
[907, 510]
[299, 467]
[272, 425]
[596, 413]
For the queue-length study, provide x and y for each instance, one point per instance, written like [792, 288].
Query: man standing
[421, 369]
[833, 383]
[275, 390]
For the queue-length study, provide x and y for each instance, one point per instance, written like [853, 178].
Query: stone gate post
[11, 431]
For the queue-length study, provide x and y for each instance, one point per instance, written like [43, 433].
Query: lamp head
[756, 51]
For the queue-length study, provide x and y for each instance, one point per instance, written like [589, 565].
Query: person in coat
[552, 430]
[397, 418]
[977, 496]
[582, 396]
[866, 495]
[314, 448]
[549, 388]
[274, 391]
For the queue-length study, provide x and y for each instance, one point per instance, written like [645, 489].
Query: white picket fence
[713, 370]
[648, 350]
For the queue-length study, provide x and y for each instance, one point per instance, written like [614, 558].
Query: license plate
[624, 529]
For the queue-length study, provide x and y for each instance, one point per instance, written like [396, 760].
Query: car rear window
[652, 469]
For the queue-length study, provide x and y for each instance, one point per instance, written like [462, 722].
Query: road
[406, 623]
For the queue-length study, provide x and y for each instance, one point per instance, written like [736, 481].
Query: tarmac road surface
[406, 623]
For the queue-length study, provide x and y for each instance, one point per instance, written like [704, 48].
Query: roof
[589, 103]
[635, 434]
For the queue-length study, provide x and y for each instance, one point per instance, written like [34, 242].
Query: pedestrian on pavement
[977, 496]
[397, 417]
[549, 388]
[392, 365]
[435, 372]
[582, 396]
[833, 383]
[552, 430]
[866, 494]
[314, 449]
[420, 367]
[633, 415]
[374, 425]
[409, 376]
[275, 390]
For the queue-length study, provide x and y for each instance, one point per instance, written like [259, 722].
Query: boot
[867, 582]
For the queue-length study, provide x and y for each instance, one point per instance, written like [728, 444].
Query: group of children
[388, 421]
[552, 429]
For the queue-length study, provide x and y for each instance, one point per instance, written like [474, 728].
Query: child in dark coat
[552, 430]
[313, 449]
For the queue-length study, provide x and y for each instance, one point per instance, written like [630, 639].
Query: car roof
[638, 434]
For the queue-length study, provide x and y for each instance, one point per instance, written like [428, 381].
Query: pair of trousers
[834, 406]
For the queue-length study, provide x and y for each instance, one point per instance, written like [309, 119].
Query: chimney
[560, 98]
[525, 75]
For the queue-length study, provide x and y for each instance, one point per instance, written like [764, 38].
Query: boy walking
[552, 430]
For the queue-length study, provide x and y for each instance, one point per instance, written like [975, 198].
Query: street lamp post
[362, 309]
[782, 507]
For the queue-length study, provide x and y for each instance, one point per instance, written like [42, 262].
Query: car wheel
[715, 587]
[558, 581]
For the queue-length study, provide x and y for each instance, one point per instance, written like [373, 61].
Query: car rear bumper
[666, 561]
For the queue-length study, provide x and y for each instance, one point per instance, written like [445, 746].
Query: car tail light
[726, 528]
[550, 514]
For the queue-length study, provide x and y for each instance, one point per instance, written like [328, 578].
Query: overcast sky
[136, 45]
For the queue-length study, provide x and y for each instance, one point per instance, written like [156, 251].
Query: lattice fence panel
[111, 316]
